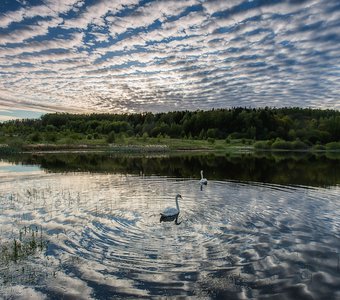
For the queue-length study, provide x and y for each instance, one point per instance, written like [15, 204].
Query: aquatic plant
[23, 260]
[30, 241]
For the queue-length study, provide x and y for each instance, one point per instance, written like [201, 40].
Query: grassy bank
[162, 144]
[130, 144]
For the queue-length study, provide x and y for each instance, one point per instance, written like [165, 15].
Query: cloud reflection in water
[235, 240]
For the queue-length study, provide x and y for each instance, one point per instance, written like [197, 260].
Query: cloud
[49, 8]
[123, 56]
[28, 32]
[95, 14]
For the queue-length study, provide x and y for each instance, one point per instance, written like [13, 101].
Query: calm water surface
[90, 235]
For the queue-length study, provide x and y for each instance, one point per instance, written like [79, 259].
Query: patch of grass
[124, 143]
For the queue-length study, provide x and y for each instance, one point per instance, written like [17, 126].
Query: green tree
[111, 137]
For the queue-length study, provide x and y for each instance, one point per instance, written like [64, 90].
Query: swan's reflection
[170, 219]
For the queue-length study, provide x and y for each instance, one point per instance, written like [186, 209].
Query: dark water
[321, 170]
[263, 227]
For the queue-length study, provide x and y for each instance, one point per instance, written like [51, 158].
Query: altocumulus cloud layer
[132, 56]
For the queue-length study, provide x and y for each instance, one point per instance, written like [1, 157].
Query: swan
[203, 180]
[171, 211]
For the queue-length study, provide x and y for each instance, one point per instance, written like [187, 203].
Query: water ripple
[236, 239]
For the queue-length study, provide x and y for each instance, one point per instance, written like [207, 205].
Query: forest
[263, 127]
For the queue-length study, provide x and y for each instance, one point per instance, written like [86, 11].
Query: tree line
[311, 126]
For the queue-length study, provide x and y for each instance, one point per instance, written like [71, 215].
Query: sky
[125, 56]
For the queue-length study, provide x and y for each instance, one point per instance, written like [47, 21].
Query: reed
[30, 241]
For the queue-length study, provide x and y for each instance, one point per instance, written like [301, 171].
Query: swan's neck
[177, 206]
[201, 174]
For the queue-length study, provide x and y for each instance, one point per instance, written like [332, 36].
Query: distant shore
[218, 130]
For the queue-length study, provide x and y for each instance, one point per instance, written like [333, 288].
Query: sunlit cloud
[131, 56]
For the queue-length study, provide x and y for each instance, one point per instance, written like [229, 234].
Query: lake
[87, 226]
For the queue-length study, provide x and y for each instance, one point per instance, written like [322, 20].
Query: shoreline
[149, 149]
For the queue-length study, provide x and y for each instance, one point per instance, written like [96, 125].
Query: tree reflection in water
[272, 167]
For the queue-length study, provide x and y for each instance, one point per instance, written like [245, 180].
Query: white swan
[203, 180]
[171, 212]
